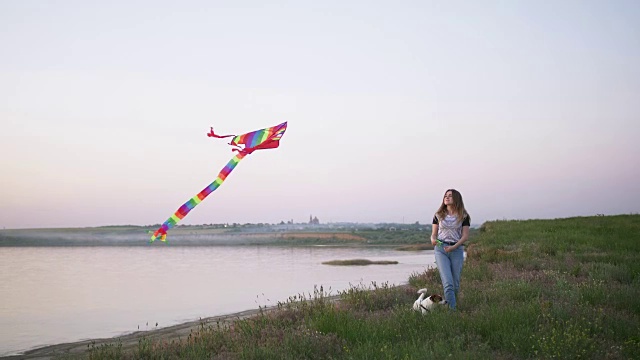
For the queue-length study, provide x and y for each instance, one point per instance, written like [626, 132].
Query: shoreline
[130, 341]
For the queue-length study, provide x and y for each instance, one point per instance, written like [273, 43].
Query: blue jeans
[450, 268]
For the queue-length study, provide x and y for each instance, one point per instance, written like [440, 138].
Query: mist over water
[62, 294]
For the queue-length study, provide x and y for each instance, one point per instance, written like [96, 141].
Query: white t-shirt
[450, 229]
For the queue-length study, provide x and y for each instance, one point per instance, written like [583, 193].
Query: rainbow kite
[268, 138]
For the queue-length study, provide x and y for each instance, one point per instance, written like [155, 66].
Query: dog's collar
[422, 306]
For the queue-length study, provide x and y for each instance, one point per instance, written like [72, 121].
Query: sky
[531, 109]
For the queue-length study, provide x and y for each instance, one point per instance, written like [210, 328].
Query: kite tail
[184, 209]
[212, 134]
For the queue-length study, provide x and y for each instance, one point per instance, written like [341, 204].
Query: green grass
[539, 289]
[416, 247]
[359, 262]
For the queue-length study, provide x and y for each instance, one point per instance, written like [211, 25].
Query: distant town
[314, 224]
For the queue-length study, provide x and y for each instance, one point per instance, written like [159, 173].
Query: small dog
[426, 304]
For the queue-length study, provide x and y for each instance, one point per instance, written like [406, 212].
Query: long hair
[458, 206]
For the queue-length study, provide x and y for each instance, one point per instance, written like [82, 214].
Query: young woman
[449, 231]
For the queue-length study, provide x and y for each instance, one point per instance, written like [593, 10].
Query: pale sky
[531, 109]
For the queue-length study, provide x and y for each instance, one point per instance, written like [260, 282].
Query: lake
[51, 295]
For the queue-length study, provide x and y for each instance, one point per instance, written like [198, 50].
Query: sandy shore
[130, 341]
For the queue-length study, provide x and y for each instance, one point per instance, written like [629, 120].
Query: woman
[449, 231]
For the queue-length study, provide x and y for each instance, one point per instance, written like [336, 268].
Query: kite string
[194, 201]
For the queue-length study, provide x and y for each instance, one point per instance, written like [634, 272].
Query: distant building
[313, 220]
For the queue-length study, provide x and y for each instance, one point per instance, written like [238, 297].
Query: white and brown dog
[426, 303]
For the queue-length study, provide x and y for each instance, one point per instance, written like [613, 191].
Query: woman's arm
[465, 236]
[434, 234]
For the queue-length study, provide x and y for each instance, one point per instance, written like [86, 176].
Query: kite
[244, 144]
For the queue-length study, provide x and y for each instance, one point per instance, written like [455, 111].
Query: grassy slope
[566, 288]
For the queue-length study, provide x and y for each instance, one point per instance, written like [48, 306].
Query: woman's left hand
[449, 248]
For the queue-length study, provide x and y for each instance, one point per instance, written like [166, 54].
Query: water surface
[51, 295]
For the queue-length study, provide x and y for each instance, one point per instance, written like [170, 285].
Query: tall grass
[539, 289]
